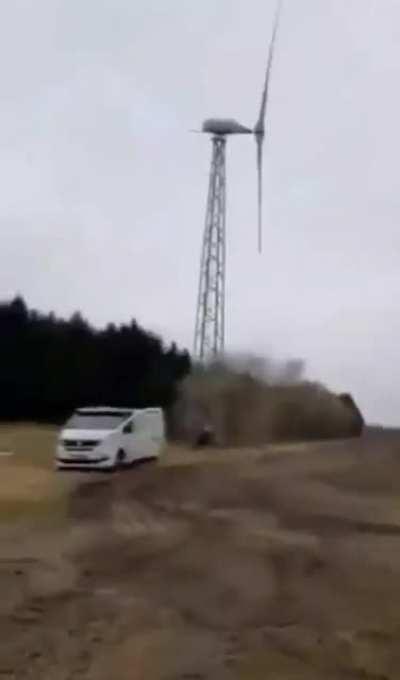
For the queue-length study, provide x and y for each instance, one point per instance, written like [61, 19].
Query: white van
[105, 438]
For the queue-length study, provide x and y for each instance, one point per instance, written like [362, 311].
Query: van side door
[138, 439]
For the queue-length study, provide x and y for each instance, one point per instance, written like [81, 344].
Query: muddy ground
[270, 564]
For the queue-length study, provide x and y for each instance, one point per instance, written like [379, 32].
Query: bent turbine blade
[260, 125]
[259, 129]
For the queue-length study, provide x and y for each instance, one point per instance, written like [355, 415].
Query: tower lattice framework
[209, 338]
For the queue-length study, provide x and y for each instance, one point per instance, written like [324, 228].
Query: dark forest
[50, 366]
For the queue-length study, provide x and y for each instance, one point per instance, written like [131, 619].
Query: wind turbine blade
[259, 129]
[259, 142]
[260, 125]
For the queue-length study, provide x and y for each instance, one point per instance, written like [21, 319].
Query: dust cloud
[249, 400]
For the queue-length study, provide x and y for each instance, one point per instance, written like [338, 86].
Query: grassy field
[31, 444]
[269, 563]
[29, 489]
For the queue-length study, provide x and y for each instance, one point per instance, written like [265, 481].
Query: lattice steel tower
[209, 337]
[210, 315]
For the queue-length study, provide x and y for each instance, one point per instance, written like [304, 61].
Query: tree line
[49, 366]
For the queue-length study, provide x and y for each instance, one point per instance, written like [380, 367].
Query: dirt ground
[280, 563]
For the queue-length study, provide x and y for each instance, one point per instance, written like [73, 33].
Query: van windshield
[96, 421]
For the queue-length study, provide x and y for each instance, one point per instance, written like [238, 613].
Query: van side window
[128, 428]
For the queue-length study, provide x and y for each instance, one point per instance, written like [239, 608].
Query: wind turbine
[209, 337]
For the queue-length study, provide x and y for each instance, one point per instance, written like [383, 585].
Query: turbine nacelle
[224, 126]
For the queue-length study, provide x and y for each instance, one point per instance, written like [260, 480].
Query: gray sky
[103, 187]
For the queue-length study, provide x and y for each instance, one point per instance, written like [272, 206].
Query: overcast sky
[103, 187]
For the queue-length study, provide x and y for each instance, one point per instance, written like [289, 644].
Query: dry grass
[260, 563]
[29, 489]
[30, 443]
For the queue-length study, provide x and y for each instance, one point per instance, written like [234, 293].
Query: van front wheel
[120, 459]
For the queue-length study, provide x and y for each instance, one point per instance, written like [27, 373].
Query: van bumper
[84, 463]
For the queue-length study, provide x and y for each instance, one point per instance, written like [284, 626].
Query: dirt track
[260, 565]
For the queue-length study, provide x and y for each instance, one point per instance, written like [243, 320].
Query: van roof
[105, 409]
[116, 410]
